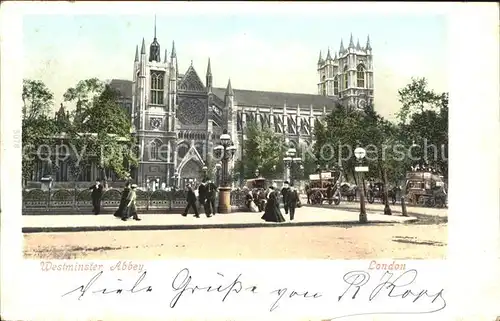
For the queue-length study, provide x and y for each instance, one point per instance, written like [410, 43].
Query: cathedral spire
[143, 47]
[368, 45]
[136, 59]
[328, 55]
[341, 50]
[173, 54]
[229, 89]
[351, 42]
[358, 47]
[165, 58]
[209, 76]
[154, 48]
[209, 68]
[155, 29]
[320, 60]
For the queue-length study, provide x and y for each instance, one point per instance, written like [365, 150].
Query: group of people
[127, 207]
[206, 197]
[272, 211]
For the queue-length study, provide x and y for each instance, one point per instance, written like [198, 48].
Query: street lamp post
[360, 153]
[290, 160]
[217, 173]
[227, 149]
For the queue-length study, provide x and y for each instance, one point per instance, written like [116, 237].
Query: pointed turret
[336, 57]
[165, 57]
[358, 47]
[143, 47]
[173, 54]
[229, 89]
[368, 45]
[351, 42]
[320, 60]
[154, 48]
[209, 76]
[328, 55]
[136, 59]
[341, 50]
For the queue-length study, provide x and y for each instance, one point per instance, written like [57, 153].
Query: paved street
[303, 216]
[343, 240]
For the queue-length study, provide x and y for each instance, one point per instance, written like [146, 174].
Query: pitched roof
[123, 86]
[273, 98]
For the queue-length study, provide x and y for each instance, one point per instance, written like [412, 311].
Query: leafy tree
[415, 98]
[37, 126]
[424, 121]
[103, 132]
[37, 99]
[263, 150]
[83, 94]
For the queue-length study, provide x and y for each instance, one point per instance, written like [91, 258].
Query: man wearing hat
[284, 195]
[211, 191]
[292, 199]
[97, 190]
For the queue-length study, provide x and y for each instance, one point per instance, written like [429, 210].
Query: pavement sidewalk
[305, 216]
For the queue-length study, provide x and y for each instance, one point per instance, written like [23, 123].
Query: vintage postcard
[294, 161]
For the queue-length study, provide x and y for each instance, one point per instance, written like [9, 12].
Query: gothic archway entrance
[190, 173]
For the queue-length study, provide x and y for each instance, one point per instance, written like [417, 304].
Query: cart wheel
[336, 200]
[370, 198]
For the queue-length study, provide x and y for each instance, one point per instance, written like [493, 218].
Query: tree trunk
[387, 208]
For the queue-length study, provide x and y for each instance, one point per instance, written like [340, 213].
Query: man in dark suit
[203, 197]
[284, 195]
[292, 199]
[97, 190]
[211, 193]
[191, 202]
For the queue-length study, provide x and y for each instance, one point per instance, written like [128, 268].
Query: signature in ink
[182, 283]
[398, 287]
[82, 289]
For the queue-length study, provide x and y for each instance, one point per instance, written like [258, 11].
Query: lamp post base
[224, 200]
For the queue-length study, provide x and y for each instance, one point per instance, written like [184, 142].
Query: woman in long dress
[272, 212]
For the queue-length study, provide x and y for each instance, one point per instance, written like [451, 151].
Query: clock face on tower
[155, 123]
[191, 111]
[361, 103]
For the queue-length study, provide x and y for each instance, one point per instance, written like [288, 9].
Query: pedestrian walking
[123, 201]
[96, 195]
[284, 195]
[202, 197]
[272, 212]
[191, 202]
[131, 205]
[293, 201]
[211, 194]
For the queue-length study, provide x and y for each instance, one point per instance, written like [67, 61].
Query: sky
[272, 52]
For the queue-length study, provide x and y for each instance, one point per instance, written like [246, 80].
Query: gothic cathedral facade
[178, 119]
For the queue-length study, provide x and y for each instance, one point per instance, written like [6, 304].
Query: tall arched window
[153, 150]
[360, 72]
[346, 78]
[157, 87]
[336, 85]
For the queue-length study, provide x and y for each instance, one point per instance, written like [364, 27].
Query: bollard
[403, 206]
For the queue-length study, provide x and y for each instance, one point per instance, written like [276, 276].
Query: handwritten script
[357, 285]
